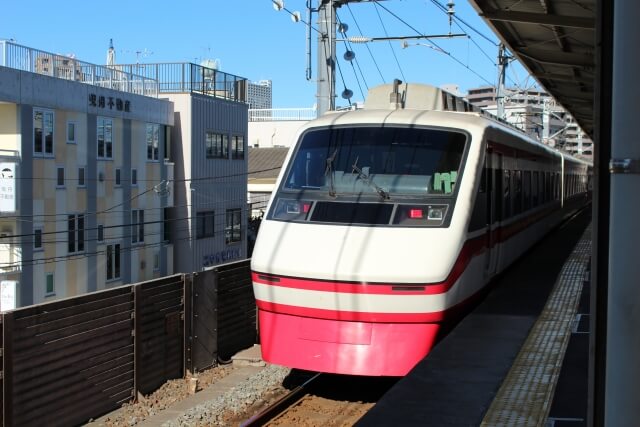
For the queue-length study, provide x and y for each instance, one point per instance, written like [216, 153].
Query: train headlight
[420, 215]
[436, 213]
[289, 209]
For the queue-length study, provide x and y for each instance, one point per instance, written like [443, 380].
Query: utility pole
[503, 62]
[326, 56]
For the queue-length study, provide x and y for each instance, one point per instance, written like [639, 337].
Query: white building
[209, 141]
[533, 109]
[85, 177]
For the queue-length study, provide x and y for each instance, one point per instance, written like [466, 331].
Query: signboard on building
[7, 187]
[8, 295]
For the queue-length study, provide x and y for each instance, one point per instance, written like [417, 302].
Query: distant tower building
[111, 55]
[259, 95]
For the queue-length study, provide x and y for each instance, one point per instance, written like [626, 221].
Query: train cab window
[383, 160]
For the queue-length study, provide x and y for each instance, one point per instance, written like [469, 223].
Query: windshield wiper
[329, 170]
[367, 179]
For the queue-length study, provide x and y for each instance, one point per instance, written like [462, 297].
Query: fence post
[187, 336]
[7, 369]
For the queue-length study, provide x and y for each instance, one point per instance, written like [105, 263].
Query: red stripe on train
[352, 316]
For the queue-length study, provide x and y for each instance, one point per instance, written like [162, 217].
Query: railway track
[323, 400]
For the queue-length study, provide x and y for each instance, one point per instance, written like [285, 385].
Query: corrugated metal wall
[204, 322]
[71, 360]
[159, 332]
[236, 308]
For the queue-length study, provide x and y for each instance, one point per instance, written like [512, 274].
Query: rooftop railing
[282, 114]
[13, 55]
[181, 77]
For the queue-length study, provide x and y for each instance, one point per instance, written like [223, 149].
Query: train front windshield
[386, 161]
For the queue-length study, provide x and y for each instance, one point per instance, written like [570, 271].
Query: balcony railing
[24, 58]
[282, 114]
[181, 77]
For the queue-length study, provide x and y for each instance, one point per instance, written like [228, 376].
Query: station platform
[519, 358]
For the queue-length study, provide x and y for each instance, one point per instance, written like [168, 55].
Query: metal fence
[181, 77]
[282, 114]
[71, 360]
[13, 55]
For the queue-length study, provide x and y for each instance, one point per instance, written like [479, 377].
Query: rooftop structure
[18, 57]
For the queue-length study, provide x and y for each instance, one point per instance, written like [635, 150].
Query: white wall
[272, 134]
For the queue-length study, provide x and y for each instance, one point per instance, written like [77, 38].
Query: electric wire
[457, 18]
[135, 246]
[389, 42]
[367, 46]
[434, 43]
[348, 45]
[297, 17]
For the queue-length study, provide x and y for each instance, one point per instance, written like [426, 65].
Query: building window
[105, 138]
[113, 262]
[100, 233]
[75, 233]
[153, 137]
[232, 231]
[134, 176]
[60, 180]
[204, 224]
[43, 132]
[217, 145]
[237, 150]
[166, 222]
[117, 177]
[81, 177]
[37, 239]
[50, 286]
[167, 143]
[156, 261]
[137, 226]
[71, 132]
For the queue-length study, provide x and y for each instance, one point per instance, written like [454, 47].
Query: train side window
[498, 194]
[526, 190]
[483, 180]
[507, 194]
[534, 189]
[517, 192]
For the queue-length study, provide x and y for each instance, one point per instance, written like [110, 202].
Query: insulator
[359, 39]
[349, 55]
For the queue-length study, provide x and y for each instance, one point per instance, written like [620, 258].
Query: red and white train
[388, 221]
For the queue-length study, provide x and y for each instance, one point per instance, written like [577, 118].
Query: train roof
[420, 104]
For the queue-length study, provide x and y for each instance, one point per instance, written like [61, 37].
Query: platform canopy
[554, 40]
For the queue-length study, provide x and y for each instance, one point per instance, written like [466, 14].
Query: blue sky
[252, 40]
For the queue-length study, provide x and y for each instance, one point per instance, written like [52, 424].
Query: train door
[493, 176]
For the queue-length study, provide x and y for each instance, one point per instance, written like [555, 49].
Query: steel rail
[280, 406]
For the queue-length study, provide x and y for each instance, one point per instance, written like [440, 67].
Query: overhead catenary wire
[373, 58]
[390, 46]
[348, 45]
[434, 43]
